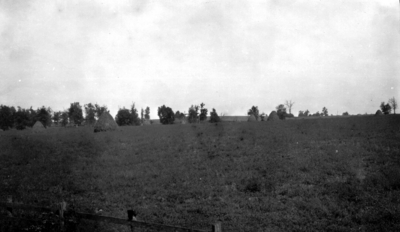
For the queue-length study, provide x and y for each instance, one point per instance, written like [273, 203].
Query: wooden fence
[64, 215]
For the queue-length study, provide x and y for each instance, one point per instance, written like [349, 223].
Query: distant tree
[289, 105]
[301, 113]
[166, 115]
[142, 115]
[64, 118]
[123, 117]
[254, 111]
[32, 117]
[386, 108]
[281, 111]
[262, 116]
[57, 117]
[193, 114]
[43, 115]
[179, 115]
[203, 112]
[100, 110]
[6, 117]
[90, 114]
[393, 103]
[147, 113]
[134, 116]
[324, 112]
[214, 116]
[289, 116]
[316, 114]
[75, 113]
[345, 114]
[21, 118]
[306, 113]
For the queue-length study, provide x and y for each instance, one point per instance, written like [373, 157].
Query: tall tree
[43, 115]
[124, 117]
[386, 108]
[254, 111]
[203, 112]
[393, 103]
[166, 115]
[324, 111]
[75, 113]
[90, 111]
[214, 116]
[281, 111]
[289, 105]
[21, 118]
[6, 117]
[142, 115]
[306, 113]
[134, 115]
[64, 118]
[193, 114]
[147, 113]
[32, 117]
[57, 117]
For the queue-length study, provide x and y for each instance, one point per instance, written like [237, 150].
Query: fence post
[63, 207]
[216, 227]
[131, 217]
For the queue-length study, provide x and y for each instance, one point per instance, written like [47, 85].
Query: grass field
[331, 174]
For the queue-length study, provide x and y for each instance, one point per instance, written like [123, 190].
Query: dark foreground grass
[338, 174]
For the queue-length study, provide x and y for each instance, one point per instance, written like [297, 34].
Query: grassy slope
[323, 174]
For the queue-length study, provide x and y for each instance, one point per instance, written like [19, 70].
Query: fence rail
[64, 214]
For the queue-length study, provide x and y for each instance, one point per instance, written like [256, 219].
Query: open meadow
[331, 174]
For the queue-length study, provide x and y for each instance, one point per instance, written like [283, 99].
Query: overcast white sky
[344, 55]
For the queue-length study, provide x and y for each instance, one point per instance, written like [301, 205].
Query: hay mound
[146, 122]
[38, 127]
[378, 112]
[105, 123]
[273, 116]
[252, 118]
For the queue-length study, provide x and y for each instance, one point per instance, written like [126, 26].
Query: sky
[343, 55]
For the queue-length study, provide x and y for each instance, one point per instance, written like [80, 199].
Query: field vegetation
[331, 174]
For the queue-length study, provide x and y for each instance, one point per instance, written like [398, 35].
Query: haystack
[252, 118]
[273, 116]
[146, 122]
[38, 127]
[105, 123]
[378, 112]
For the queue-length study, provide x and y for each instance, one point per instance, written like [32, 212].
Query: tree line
[130, 117]
[196, 113]
[20, 118]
